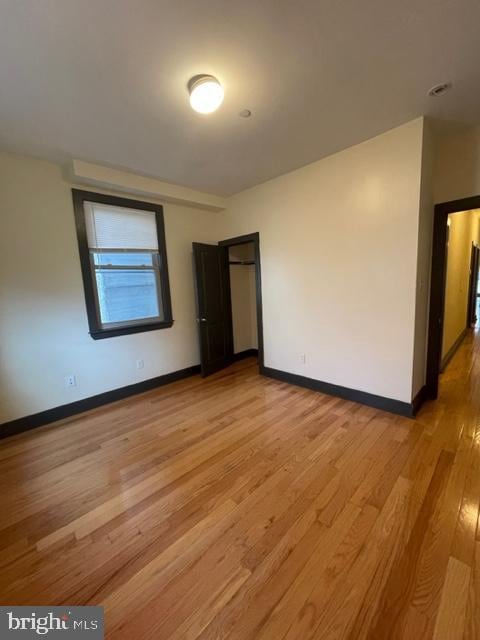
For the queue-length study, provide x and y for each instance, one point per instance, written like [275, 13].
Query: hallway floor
[241, 507]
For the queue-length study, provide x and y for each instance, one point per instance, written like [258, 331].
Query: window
[124, 264]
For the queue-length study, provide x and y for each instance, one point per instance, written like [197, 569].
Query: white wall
[43, 322]
[338, 242]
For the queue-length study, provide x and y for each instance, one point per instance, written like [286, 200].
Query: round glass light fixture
[206, 94]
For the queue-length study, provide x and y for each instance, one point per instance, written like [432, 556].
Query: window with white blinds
[123, 248]
[111, 227]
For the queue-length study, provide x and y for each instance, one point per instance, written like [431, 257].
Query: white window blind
[110, 227]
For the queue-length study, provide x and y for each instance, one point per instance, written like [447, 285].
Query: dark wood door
[213, 306]
[473, 285]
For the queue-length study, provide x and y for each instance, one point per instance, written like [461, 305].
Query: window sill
[125, 331]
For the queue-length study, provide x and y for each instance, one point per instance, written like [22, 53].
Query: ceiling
[106, 81]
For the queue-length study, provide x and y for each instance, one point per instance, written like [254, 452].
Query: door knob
[201, 319]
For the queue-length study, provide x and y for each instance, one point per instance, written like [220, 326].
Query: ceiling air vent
[440, 89]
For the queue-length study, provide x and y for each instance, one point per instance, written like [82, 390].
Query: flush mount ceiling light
[206, 94]
[440, 89]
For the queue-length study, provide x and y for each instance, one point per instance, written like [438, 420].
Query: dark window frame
[96, 330]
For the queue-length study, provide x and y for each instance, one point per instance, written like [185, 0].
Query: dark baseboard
[453, 349]
[248, 353]
[419, 399]
[378, 402]
[67, 410]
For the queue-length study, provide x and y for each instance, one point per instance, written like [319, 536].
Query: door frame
[255, 238]
[437, 286]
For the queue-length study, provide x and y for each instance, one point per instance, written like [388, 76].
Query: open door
[213, 307]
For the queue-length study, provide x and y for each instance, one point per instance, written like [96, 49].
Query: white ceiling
[105, 80]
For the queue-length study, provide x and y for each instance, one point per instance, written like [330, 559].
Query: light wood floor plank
[242, 508]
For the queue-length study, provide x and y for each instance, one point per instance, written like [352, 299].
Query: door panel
[213, 306]
[472, 290]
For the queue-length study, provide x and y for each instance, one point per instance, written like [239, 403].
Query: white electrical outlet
[140, 364]
[70, 381]
[303, 358]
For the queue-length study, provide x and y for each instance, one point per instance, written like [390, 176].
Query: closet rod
[241, 262]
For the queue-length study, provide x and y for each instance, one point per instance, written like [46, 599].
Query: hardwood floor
[240, 507]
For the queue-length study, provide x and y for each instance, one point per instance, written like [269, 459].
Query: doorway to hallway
[454, 283]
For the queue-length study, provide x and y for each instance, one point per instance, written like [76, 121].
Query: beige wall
[457, 163]
[338, 243]
[463, 231]
[43, 323]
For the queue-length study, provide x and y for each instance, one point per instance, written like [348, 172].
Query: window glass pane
[126, 295]
[123, 259]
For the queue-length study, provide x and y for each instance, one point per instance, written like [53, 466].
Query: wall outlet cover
[70, 381]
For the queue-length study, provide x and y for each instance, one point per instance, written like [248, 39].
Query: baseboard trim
[398, 407]
[453, 350]
[248, 353]
[79, 406]
[419, 399]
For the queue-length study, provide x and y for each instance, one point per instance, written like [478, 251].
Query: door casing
[437, 286]
[255, 239]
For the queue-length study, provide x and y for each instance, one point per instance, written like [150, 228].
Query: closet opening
[228, 288]
[245, 304]
[241, 265]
